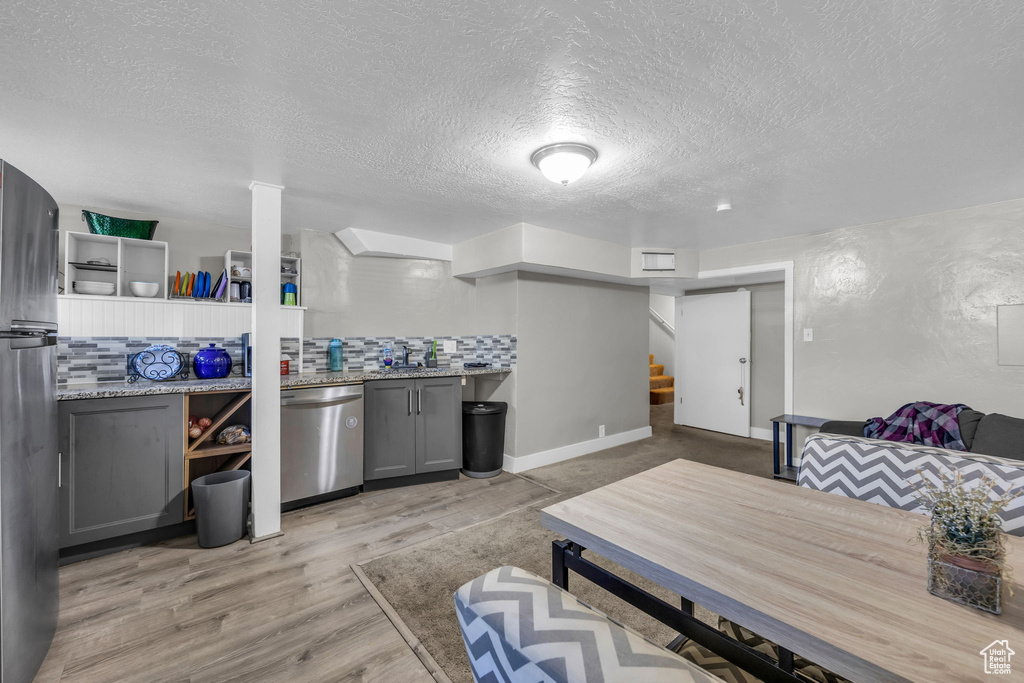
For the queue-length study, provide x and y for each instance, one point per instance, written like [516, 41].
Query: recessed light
[564, 162]
[724, 206]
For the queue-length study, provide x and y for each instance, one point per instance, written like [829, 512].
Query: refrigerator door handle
[29, 341]
[33, 327]
[60, 467]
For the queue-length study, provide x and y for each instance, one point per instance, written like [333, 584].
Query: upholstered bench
[519, 627]
[730, 673]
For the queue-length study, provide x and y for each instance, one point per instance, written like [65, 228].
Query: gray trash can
[222, 507]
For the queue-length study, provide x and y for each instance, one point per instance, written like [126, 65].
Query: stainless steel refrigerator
[28, 424]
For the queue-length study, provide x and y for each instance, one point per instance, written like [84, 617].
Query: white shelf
[216, 303]
[118, 316]
[134, 259]
[243, 259]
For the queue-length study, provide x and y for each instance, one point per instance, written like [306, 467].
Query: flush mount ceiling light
[564, 162]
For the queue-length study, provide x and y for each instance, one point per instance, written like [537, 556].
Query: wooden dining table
[845, 586]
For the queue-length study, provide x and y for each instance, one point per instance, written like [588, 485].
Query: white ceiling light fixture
[724, 206]
[564, 162]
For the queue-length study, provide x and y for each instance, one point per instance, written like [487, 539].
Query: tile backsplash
[102, 359]
[367, 353]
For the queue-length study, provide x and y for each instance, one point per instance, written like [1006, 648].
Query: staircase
[662, 390]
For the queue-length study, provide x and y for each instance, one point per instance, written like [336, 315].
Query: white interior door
[713, 362]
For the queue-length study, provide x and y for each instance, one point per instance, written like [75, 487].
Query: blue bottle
[337, 362]
[388, 358]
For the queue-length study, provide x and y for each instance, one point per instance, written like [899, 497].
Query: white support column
[266, 352]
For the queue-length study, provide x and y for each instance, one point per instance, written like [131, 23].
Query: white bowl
[144, 289]
[93, 288]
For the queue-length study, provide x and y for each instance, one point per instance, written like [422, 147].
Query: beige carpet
[419, 582]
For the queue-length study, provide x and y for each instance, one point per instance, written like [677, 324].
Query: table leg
[789, 445]
[686, 605]
[775, 446]
[785, 660]
[559, 571]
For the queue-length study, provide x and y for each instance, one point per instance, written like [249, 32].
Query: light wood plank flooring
[287, 609]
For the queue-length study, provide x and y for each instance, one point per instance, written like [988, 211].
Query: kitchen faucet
[405, 355]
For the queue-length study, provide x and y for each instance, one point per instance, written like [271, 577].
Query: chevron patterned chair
[887, 472]
[519, 627]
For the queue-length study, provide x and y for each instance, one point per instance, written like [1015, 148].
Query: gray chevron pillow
[519, 627]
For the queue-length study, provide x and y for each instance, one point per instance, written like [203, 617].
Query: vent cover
[653, 261]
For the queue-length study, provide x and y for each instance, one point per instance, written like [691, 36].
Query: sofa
[993, 434]
[887, 472]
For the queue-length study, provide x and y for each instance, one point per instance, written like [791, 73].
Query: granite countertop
[69, 392]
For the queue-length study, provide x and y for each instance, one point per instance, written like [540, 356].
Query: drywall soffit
[369, 243]
[532, 248]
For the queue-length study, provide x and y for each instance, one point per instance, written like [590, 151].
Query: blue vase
[212, 363]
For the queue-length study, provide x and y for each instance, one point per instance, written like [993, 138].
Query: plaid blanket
[930, 424]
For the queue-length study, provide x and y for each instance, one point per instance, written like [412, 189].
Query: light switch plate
[808, 334]
[450, 346]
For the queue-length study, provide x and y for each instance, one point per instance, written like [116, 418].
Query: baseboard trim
[766, 434]
[522, 463]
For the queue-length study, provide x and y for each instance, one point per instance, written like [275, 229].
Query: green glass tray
[119, 227]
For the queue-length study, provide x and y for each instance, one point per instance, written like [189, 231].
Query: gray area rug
[420, 582]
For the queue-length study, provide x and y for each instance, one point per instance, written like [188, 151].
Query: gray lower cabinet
[438, 424]
[413, 426]
[389, 441]
[122, 468]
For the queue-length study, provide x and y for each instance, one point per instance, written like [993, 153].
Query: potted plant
[965, 539]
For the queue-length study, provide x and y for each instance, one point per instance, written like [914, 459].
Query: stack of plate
[92, 287]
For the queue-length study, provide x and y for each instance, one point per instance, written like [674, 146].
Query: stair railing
[664, 322]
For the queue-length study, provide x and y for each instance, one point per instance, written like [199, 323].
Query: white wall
[368, 296]
[582, 361]
[903, 310]
[497, 312]
[662, 340]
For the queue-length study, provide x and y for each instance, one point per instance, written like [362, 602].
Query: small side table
[789, 472]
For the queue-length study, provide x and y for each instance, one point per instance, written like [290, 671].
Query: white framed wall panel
[82, 316]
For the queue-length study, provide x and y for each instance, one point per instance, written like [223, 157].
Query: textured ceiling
[418, 117]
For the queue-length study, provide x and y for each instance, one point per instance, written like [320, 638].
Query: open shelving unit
[291, 272]
[203, 455]
[129, 259]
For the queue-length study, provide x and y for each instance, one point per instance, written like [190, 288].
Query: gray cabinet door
[438, 424]
[122, 466]
[389, 447]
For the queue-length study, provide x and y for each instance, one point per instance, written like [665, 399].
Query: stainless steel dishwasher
[321, 443]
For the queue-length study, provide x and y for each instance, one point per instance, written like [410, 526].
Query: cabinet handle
[419, 401]
[60, 467]
[410, 401]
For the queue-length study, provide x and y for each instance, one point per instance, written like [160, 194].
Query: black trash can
[222, 507]
[483, 438]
